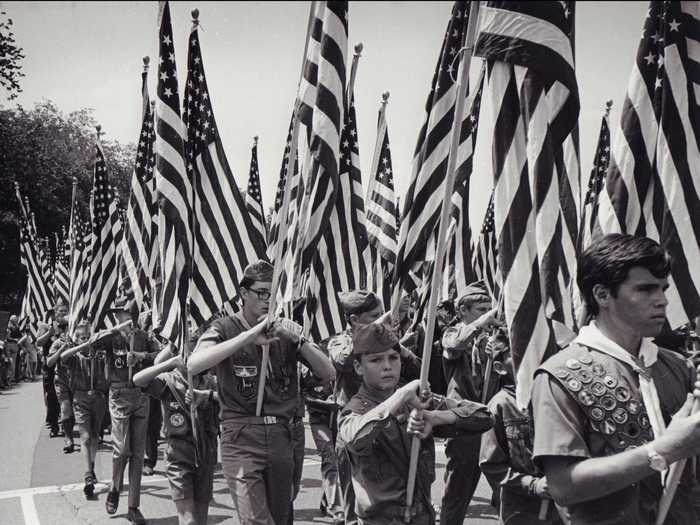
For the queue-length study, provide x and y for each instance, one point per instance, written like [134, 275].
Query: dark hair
[609, 259]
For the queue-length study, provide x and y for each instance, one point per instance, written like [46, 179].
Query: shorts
[186, 480]
[89, 409]
[65, 400]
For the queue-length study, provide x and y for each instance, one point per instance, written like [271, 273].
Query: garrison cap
[122, 304]
[260, 270]
[475, 292]
[358, 301]
[374, 338]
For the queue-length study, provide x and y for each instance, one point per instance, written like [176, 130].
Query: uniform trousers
[155, 421]
[128, 408]
[462, 474]
[258, 463]
[324, 440]
[65, 400]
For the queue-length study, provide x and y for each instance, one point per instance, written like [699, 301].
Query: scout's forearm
[206, 357]
[143, 378]
[321, 365]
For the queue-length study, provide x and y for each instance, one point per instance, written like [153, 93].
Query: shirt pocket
[519, 436]
[247, 376]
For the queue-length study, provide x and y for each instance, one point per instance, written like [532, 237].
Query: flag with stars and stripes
[224, 239]
[341, 264]
[382, 224]
[61, 281]
[79, 237]
[485, 257]
[173, 194]
[533, 95]
[253, 198]
[139, 250]
[423, 202]
[652, 186]
[320, 103]
[589, 215]
[105, 242]
[38, 299]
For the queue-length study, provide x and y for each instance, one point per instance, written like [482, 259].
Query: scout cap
[259, 271]
[357, 301]
[121, 304]
[374, 338]
[475, 293]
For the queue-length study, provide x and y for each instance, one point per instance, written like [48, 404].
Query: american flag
[459, 268]
[253, 198]
[79, 236]
[38, 299]
[61, 281]
[423, 202]
[173, 194]
[534, 96]
[321, 110]
[485, 257]
[589, 215]
[652, 187]
[382, 225]
[223, 241]
[341, 264]
[140, 243]
[106, 239]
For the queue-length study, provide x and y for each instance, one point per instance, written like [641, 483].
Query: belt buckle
[269, 420]
[91, 392]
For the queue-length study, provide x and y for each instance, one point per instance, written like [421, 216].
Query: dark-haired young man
[256, 451]
[603, 406]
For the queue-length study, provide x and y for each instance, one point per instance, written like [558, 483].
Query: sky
[89, 54]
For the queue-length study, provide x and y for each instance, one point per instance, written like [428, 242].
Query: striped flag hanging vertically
[106, 239]
[173, 194]
[382, 225]
[79, 236]
[253, 198]
[224, 243]
[652, 185]
[485, 257]
[534, 96]
[139, 247]
[589, 214]
[62, 268]
[423, 202]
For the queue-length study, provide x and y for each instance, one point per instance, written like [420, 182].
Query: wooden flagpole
[283, 222]
[462, 82]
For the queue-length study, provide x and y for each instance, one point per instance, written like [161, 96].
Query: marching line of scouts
[609, 413]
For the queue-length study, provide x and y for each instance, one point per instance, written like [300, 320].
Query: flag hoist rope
[436, 286]
[283, 220]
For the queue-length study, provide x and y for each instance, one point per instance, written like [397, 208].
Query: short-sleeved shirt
[62, 371]
[239, 374]
[601, 413]
[116, 347]
[87, 373]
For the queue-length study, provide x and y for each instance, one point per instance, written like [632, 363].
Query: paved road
[40, 485]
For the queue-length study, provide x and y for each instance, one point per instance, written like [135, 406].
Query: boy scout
[256, 452]
[48, 333]
[506, 458]
[377, 432]
[462, 344]
[191, 478]
[62, 382]
[603, 406]
[127, 352]
[89, 386]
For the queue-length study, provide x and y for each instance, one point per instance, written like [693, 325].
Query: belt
[122, 384]
[257, 420]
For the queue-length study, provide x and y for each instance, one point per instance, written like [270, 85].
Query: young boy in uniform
[377, 432]
[90, 387]
[190, 465]
[62, 382]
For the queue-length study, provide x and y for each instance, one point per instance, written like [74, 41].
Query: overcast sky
[88, 54]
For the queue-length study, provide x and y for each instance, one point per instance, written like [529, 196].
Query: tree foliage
[43, 149]
[10, 58]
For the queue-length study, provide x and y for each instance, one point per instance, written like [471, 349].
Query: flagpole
[283, 224]
[462, 80]
[353, 71]
[380, 139]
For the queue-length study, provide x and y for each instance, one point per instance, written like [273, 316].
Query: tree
[43, 149]
[10, 58]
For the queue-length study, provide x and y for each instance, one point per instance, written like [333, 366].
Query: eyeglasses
[263, 295]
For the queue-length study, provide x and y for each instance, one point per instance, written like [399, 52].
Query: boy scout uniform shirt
[464, 381]
[62, 374]
[587, 404]
[81, 369]
[117, 369]
[238, 375]
[379, 448]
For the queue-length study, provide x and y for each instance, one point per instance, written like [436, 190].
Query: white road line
[29, 493]
[29, 510]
